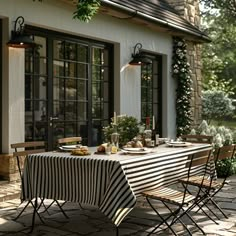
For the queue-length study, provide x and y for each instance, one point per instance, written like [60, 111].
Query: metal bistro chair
[69, 140]
[210, 186]
[182, 200]
[22, 150]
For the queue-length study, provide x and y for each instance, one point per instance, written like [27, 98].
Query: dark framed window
[69, 88]
[151, 93]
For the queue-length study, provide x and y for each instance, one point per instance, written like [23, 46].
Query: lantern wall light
[18, 37]
[138, 57]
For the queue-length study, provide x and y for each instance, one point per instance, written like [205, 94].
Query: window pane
[82, 53]
[70, 69]
[82, 71]
[82, 111]
[58, 89]
[40, 89]
[82, 90]
[41, 50]
[70, 89]
[70, 51]
[58, 49]
[58, 68]
[70, 111]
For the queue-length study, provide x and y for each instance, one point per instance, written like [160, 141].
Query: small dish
[178, 144]
[136, 150]
[69, 147]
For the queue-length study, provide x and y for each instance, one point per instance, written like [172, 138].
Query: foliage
[85, 9]
[225, 8]
[127, 126]
[221, 136]
[181, 73]
[216, 105]
[218, 56]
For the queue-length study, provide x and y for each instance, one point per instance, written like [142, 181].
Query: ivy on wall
[85, 9]
[181, 72]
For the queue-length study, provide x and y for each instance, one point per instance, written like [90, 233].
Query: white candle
[153, 122]
[114, 118]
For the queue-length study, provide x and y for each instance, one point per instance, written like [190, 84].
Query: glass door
[151, 93]
[68, 90]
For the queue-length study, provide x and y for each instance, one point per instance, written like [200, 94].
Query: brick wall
[189, 9]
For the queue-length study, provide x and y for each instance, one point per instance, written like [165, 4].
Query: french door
[151, 92]
[68, 89]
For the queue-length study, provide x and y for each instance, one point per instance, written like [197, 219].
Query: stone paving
[87, 221]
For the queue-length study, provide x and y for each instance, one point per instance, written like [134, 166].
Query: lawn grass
[231, 124]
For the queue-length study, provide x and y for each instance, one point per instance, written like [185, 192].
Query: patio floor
[89, 221]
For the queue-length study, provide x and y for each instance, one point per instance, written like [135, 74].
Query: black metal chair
[210, 186]
[182, 200]
[22, 150]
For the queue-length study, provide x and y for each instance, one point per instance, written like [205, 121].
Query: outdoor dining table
[112, 183]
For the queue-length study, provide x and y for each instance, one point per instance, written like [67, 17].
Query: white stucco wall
[56, 15]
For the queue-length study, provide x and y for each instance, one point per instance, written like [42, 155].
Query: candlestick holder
[115, 137]
[147, 137]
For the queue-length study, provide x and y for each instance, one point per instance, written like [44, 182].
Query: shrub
[221, 136]
[127, 126]
[216, 105]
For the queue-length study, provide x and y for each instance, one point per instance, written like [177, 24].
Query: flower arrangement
[127, 126]
[181, 72]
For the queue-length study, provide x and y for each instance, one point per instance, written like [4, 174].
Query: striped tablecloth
[110, 183]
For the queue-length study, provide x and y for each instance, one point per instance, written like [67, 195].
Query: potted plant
[127, 126]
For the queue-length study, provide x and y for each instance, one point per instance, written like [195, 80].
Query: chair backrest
[69, 140]
[223, 153]
[198, 163]
[24, 149]
[197, 138]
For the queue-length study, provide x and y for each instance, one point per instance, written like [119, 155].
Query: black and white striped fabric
[110, 183]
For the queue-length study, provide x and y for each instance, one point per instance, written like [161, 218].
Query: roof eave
[195, 35]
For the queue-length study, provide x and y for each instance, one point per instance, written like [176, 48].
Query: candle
[114, 118]
[147, 121]
[153, 122]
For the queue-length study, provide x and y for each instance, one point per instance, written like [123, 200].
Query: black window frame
[59, 35]
[158, 59]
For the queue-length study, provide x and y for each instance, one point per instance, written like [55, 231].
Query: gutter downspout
[156, 20]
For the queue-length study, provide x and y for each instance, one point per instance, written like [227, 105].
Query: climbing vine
[85, 9]
[181, 72]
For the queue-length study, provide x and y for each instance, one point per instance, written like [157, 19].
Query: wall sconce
[18, 38]
[138, 58]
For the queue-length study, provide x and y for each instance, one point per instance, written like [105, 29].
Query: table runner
[110, 183]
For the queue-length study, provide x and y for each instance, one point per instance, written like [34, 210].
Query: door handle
[53, 118]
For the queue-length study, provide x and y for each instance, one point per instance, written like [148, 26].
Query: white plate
[178, 144]
[136, 150]
[69, 147]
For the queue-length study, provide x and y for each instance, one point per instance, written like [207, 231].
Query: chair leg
[21, 211]
[195, 223]
[177, 218]
[164, 220]
[117, 231]
[219, 208]
[63, 212]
